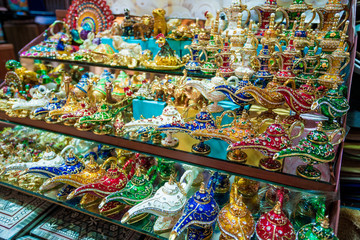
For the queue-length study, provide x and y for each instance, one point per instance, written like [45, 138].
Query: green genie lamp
[316, 148]
[333, 105]
[317, 231]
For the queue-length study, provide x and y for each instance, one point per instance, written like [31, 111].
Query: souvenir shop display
[171, 112]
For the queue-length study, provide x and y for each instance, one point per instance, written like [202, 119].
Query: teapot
[274, 224]
[317, 231]
[316, 148]
[72, 165]
[236, 8]
[49, 158]
[71, 105]
[205, 87]
[138, 189]
[203, 120]
[235, 220]
[86, 109]
[199, 214]
[239, 129]
[41, 112]
[167, 203]
[114, 180]
[194, 63]
[274, 139]
[93, 172]
[333, 105]
[266, 97]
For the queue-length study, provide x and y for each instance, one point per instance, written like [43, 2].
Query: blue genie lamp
[203, 120]
[199, 214]
[72, 165]
[41, 112]
[232, 92]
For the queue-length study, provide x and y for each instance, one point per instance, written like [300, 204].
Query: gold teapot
[235, 220]
[331, 39]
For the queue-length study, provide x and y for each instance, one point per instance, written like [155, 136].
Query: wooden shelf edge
[80, 210]
[184, 157]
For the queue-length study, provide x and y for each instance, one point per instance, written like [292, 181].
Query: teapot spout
[289, 152]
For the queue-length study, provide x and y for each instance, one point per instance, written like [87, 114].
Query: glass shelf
[195, 74]
[145, 226]
[182, 154]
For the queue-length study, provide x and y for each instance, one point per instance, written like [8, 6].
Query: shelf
[74, 207]
[181, 156]
[195, 74]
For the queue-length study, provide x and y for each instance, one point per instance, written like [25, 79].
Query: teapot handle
[345, 18]
[344, 65]
[319, 11]
[255, 58]
[297, 123]
[284, 16]
[109, 160]
[154, 171]
[342, 136]
[132, 170]
[189, 176]
[292, 82]
[298, 61]
[203, 51]
[65, 149]
[313, 11]
[219, 119]
[248, 16]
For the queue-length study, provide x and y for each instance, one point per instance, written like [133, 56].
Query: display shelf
[74, 207]
[182, 156]
[179, 72]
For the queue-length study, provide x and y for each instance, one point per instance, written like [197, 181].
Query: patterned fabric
[67, 224]
[17, 211]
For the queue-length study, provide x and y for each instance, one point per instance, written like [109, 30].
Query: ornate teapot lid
[71, 159]
[113, 172]
[170, 111]
[275, 225]
[103, 108]
[104, 49]
[121, 77]
[334, 92]
[106, 75]
[307, 88]
[204, 117]
[243, 122]
[276, 129]
[317, 231]
[218, 79]
[318, 136]
[92, 166]
[49, 154]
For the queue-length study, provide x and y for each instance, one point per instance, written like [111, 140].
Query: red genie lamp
[274, 139]
[114, 180]
[274, 224]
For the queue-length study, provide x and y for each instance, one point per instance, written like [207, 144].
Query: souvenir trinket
[100, 121]
[328, 13]
[194, 62]
[240, 129]
[274, 139]
[49, 158]
[316, 148]
[332, 39]
[210, 51]
[333, 105]
[308, 209]
[206, 87]
[237, 41]
[114, 180]
[93, 172]
[241, 99]
[138, 189]
[202, 120]
[72, 165]
[294, 12]
[98, 92]
[224, 61]
[246, 53]
[41, 112]
[70, 106]
[235, 220]
[249, 190]
[264, 11]
[236, 8]
[336, 63]
[317, 231]
[165, 59]
[275, 225]
[299, 100]
[199, 214]
[167, 203]
[169, 115]
[86, 109]
[266, 97]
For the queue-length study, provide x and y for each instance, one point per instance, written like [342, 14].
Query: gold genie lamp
[266, 97]
[239, 129]
[235, 220]
[92, 173]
